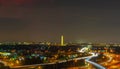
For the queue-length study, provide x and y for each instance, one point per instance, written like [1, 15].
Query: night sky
[47, 20]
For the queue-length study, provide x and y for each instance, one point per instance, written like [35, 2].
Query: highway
[87, 59]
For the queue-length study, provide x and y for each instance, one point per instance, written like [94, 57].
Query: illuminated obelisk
[62, 40]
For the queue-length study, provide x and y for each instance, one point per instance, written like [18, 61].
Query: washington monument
[62, 40]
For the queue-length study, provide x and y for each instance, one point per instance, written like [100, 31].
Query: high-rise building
[62, 40]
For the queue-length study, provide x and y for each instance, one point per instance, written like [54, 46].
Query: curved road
[93, 63]
[87, 59]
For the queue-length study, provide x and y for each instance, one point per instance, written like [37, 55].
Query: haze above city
[47, 20]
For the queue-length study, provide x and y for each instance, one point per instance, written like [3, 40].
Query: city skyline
[78, 21]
